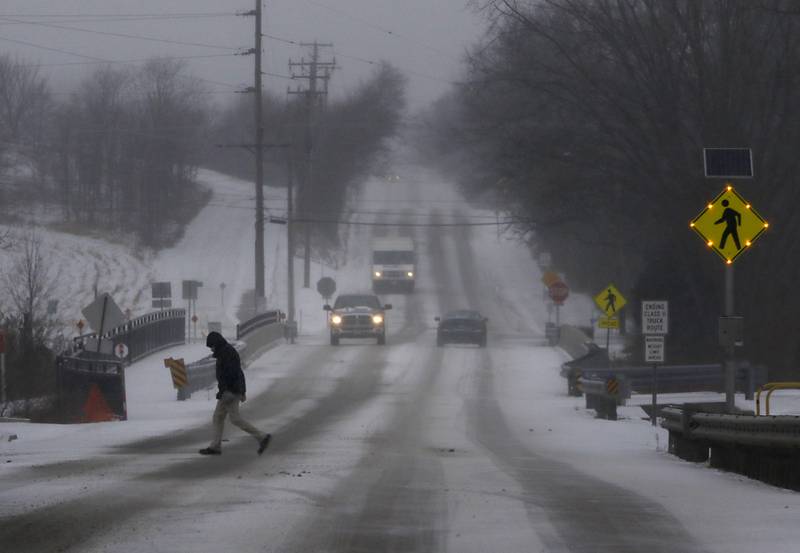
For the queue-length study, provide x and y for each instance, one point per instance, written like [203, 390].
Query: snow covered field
[476, 442]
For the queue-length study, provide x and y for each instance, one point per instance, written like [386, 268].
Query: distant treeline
[587, 120]
[122, 151]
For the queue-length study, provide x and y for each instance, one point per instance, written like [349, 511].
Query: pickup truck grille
[356, 321]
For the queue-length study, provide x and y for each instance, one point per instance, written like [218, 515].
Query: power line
[103, 19]
[119, 15]
[436, 225]
[384, 30]
[59, 50]
[143, 60]
[279, 39]
[409, 71]
[122, 35]
[97, 60]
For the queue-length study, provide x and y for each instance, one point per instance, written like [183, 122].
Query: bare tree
[23, 94]
[29, 281]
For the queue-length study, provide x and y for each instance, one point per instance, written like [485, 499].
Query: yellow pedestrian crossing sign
[610, 300]
[729, 225]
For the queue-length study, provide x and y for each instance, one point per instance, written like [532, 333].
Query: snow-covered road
[406, 447]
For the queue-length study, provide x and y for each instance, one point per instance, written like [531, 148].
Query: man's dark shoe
[262, 445]
[209, 451]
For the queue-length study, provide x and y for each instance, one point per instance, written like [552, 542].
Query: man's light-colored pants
[228, 406]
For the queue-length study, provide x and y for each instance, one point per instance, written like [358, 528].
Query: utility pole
[257, 148]
[259, 294]
[290, 247]
[313, 71]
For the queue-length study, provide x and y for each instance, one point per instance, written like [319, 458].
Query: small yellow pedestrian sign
[610, 300]
[608, 322]
[729, 225]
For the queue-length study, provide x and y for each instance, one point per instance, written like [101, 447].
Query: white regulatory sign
[655, 317]
[121, 350]
[654, 349]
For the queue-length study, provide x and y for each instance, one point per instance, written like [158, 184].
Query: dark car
[462, 327]
[357, 316]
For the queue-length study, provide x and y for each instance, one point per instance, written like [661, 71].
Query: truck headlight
[336, 319]
[377, 319]
[378, 274]
[410, 274]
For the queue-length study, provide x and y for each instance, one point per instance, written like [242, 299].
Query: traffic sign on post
[559, 292]
[655, 317]
[121, 350]
[160, 290]
[550, 277]
[103, 314]
[326, 287]
[729, 225]
[610, 300]
[654, 349]
[189, 289]
[608, 322]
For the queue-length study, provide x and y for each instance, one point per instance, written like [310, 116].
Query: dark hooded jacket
[230, 377]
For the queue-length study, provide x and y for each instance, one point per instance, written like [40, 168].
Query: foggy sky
[424, 38]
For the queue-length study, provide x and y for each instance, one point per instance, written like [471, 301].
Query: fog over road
[404, 447]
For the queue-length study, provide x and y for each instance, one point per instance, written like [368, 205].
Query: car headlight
[378, 274]
[410, 274]
[336, 319]
[377, 319]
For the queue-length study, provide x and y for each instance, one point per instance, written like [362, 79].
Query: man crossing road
[232, 391]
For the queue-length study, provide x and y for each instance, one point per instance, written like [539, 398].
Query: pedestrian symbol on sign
[611, 299]
[732, 220]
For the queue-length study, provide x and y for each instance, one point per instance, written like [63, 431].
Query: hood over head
[214, 340]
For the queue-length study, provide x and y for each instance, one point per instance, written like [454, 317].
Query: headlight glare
[378, 274]
[410, 274]
[336, 319]
[377, 319]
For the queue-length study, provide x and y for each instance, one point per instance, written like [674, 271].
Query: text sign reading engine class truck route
[655, 317]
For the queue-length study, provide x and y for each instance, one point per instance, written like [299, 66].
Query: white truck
[394, 264]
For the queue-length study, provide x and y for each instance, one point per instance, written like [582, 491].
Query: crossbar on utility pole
[310, 70]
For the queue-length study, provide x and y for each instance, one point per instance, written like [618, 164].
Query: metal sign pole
[3, 378]
[730, 361]
[655, 395]
[102, 322]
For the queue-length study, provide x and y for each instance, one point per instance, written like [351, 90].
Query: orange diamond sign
[729, 225]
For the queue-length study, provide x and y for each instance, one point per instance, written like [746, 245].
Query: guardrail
[603, 395]
[765, 448]
[771, 387]
[259, 321]
[670, 378]
[200, 375]
[594, 357]
[143, 335]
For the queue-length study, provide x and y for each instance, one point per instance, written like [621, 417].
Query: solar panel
[728, 162]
